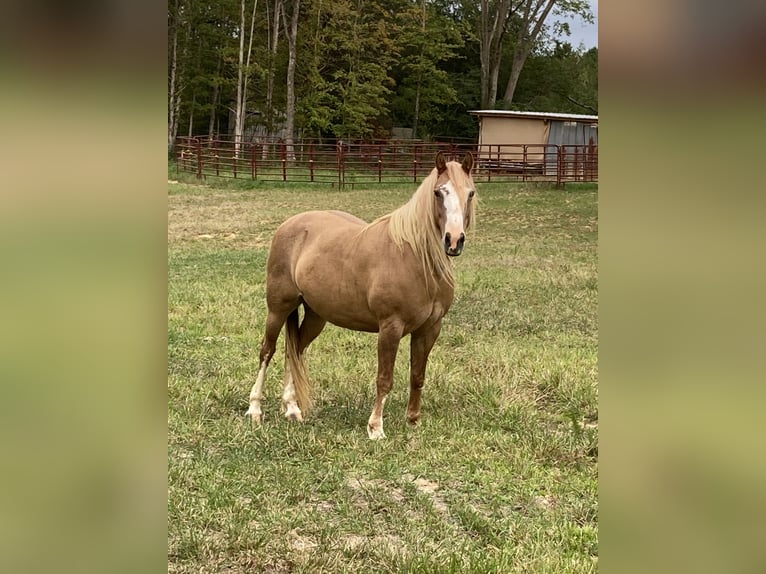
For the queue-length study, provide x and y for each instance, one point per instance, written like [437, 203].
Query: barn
[508, 127]
[508, 138]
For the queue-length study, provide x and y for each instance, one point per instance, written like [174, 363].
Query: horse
[393, 277]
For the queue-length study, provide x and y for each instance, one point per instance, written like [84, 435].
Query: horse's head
[454, 196]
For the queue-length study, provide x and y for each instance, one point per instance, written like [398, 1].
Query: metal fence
[403, 161]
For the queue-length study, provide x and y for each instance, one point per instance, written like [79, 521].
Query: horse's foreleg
[421, 343]
[388, 344]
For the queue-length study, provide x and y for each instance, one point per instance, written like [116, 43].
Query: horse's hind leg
[310, 328]
[274, 322]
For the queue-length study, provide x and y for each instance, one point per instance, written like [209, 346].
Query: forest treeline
[357, 69]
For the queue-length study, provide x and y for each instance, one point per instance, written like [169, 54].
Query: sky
[582, 32]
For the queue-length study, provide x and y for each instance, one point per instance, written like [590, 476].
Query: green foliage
[427, 38]
[554, 77]
[363, 67]
[351, 48]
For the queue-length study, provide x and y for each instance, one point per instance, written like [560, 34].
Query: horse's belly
[344, 312]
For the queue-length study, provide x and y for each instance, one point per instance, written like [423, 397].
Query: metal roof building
[539, 142]
[539, 128]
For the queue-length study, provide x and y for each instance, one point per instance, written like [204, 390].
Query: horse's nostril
[461, 241]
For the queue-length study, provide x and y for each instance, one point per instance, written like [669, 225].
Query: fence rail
[348, 163]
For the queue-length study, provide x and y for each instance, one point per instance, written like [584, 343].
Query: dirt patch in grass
[194, 219]
[367, 487]
[300, 543]
[429, 488]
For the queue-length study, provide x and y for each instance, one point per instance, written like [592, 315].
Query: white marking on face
[454, 209]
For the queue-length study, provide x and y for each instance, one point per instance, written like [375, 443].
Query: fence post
[199, 159]
[489, 164]
[235, 157]
[284, 161]
[341, 164]
[577, 164]
[524, 164]
[590, 161]
[559, 165]
[415, 165]
[311, 161]
[380, 163]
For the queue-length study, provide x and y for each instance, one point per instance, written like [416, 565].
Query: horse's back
[312, 220]
[302, 230]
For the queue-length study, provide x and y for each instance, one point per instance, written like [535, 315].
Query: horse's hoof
[294, 415]
[254, 418]
[375, 434]
[413, 421]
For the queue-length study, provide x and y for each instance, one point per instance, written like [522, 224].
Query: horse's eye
[437, 193]
[471, 194]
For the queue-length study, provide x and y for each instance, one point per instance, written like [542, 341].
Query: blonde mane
[414, 223]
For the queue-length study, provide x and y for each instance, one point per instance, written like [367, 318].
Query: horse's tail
[297, 365]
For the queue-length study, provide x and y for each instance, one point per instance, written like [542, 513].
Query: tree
[559, 79]
[528, 25]
[494, 15]
[520, 23]
[176, 16]
[243, 73]
[292, 39]
[272, 38]
[347, 75]
[426, 39]
[354, 68]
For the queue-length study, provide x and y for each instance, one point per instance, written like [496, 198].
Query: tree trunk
[174, 98]
[513, 79]
[191, 113]
[247, 65]
[485, 41]
[532, 21]
[492, 29]
[290, 112]
[216, 95]
[240, 73]
[420, 80]
[493, 78]
[243, 71]
[417, 112]
[273, 44]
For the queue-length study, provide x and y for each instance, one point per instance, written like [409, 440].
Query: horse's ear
[441, 163]
[468, 162]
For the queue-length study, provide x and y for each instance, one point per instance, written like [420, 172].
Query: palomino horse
[391, 276]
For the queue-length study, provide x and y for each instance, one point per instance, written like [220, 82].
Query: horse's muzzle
[457, 249]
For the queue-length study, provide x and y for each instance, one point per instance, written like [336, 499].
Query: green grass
[501, 476]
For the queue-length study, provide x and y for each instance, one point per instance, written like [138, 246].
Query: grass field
[501, 476]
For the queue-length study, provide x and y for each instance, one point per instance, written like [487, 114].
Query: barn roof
[535, 115]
